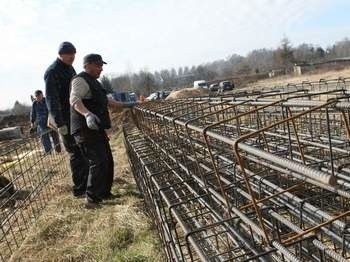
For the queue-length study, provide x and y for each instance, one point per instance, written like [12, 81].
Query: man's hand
[32, 130]
[116, 106]
[92, 121]
[63, 130]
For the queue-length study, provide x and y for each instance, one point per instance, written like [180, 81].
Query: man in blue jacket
[38, 118]
[57, 81]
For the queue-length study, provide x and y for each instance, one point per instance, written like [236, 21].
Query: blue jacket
[39, 113]
[57, 84]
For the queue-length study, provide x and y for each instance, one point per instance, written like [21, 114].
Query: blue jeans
[45, 134]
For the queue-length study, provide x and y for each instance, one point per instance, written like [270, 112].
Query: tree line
[257, 61]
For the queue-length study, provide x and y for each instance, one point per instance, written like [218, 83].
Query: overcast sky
[152, 34]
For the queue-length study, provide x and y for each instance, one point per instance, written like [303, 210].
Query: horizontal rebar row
[249, 176]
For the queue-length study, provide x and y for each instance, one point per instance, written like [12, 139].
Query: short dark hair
[66, 48]
[38, 92]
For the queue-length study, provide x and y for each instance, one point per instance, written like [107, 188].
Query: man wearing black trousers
[89, 120]
[57, 82]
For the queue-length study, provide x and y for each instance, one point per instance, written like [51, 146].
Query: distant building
[278, 72]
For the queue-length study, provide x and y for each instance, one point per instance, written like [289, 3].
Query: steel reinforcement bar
[250, 176]
[27, 174]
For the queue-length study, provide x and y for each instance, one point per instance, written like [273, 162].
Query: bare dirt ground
[119, 231]
[286, 79]
[14, 120]
[188, 92]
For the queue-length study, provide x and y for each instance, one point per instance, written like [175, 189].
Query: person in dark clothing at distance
[38, 118]
[57, 81]
[89, 120]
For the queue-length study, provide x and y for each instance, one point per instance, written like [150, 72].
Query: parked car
[200, 83]
[158, 95]
[153, 96]
[163, 94]
[226, 85]
[124, 97]
[132, 97]
[214, 87]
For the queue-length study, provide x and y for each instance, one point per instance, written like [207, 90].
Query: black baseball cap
[94, 58]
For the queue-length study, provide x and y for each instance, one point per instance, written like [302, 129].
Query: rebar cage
[27, 176]
[260, 175]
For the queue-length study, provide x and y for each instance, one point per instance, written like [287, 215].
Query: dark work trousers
[78, 164]
[56, 141]
[95, 147]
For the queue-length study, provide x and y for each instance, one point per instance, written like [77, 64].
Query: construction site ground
[290, 79]
[119, 231]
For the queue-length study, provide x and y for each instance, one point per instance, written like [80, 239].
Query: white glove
[63, 130]
[92, 121]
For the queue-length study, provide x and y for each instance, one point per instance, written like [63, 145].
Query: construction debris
[11, 133]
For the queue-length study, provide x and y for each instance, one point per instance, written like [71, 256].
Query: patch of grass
[121, 239]
[136, 246]
[129, 256]
[57, 228]
[119, 231]
[128, 190]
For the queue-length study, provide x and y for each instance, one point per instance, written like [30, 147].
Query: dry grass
[119, 231]
[286, 79]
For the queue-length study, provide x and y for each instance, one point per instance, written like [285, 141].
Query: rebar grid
[251, 176]
[27, 175]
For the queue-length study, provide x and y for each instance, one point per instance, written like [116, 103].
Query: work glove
[63, 130]
[92, 121]
[32, 130]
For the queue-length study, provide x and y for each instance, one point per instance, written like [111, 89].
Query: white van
[200, 83]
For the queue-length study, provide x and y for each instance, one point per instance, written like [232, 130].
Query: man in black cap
[89, 120]
[57, 81]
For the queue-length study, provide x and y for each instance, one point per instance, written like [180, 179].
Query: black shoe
[92, 205]
[79, 193]
[79, 196]
[109, 196]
